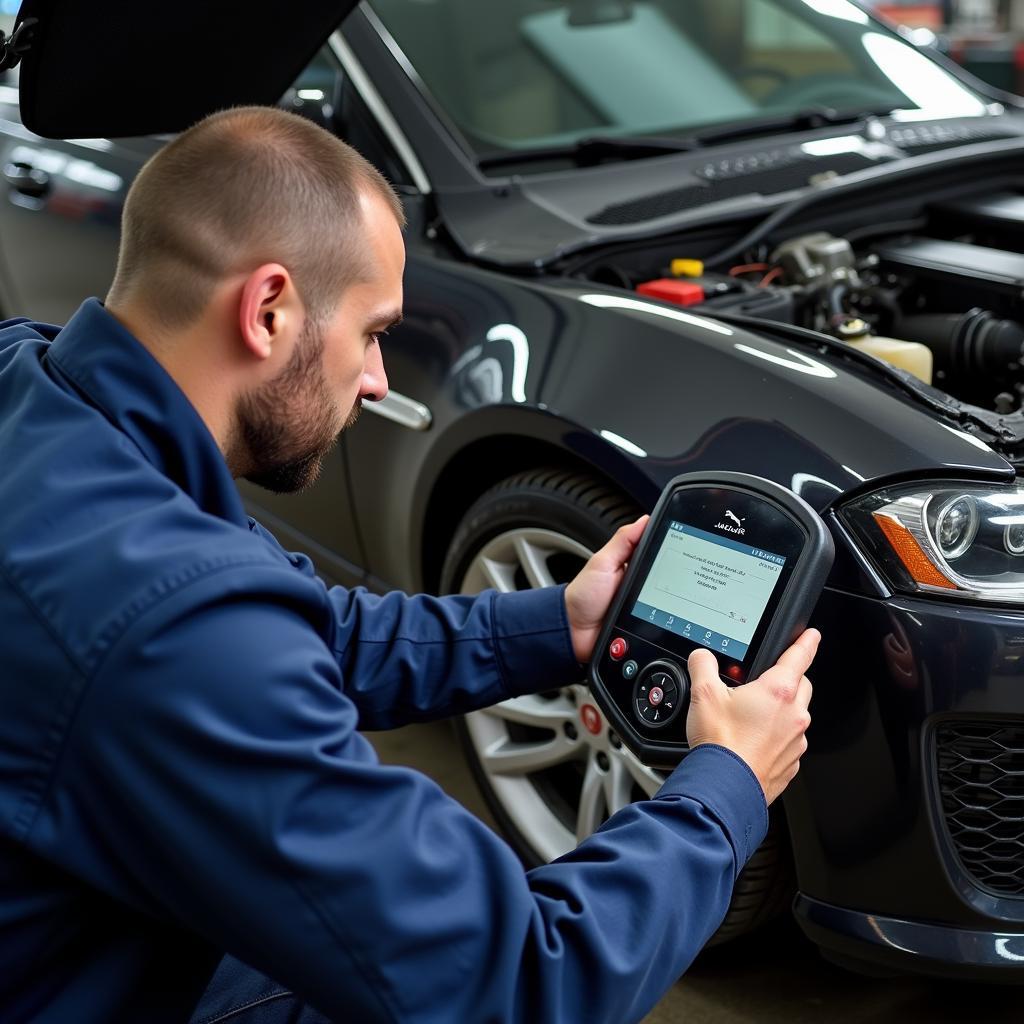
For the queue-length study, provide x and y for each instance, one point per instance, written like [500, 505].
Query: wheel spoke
[592, 809]
[647, 779]
[499, 575]
[618, 785]
[535, 711]
[511, 757]
[534, 561]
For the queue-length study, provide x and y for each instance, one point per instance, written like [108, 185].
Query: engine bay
[939, 295]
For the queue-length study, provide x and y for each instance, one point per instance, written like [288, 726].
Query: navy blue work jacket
[181, 773]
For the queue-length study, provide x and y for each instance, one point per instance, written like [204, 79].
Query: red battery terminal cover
[671, 289]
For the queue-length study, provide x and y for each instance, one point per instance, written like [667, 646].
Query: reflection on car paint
[799, 362]
[639, 306]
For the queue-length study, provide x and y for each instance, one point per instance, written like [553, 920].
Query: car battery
[671, 289]
[688, 289]
[763, 303]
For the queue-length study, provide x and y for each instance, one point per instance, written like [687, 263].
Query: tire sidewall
[497, 513]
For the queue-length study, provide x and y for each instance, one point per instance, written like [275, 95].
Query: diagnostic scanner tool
[730, 562]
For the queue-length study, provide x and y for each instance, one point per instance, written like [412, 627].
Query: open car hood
[126, 67]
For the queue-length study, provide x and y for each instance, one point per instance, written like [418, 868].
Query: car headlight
[962, 540]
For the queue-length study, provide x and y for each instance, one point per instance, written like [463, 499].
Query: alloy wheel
[551, 758]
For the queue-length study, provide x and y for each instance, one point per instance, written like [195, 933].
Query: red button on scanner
[617, 649]
[656, 696]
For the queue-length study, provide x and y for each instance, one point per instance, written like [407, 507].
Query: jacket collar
[116, 373]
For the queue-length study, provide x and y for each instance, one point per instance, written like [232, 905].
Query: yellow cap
[686, 268]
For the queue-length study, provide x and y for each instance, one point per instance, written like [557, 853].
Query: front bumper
[881, 877]
[887, 943]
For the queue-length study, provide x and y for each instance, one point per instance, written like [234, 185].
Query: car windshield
[526, 74]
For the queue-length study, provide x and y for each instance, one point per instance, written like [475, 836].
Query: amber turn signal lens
[921, 568]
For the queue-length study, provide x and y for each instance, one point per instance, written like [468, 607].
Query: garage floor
[773, 975]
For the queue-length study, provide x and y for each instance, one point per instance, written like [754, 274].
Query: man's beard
[287, 426]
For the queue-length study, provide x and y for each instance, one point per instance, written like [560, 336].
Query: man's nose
[375, 380]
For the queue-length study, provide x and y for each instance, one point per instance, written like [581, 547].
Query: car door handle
[26, 179]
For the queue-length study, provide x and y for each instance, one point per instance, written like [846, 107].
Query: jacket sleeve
[219, 783]
[411, 659]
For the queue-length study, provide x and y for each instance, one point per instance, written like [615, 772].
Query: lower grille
[981, 784]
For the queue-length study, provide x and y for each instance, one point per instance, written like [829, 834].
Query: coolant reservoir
[908, 355]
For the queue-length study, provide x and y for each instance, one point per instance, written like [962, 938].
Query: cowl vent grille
[766, 173]
[928, 138]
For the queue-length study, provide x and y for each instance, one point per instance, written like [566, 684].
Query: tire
[547, 780]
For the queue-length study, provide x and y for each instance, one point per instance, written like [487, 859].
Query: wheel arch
[470, 469]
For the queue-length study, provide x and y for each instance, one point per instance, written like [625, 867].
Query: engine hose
[762, 230]
[976, 345]
[834, 300]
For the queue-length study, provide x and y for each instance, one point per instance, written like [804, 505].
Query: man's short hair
[243, 187]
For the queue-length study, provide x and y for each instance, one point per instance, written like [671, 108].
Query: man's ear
[269, 311]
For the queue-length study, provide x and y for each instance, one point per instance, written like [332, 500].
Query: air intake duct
[975, 347]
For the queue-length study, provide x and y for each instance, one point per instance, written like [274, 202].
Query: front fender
[639, 391]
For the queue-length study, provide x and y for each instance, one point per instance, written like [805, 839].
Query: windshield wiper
[593, 149]
[802, 120]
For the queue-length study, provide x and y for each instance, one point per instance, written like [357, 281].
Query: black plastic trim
[917, 946]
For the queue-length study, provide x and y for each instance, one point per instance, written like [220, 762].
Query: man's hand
[763, 721]
[588, 596]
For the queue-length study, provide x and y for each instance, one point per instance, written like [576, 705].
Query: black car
[646, 238]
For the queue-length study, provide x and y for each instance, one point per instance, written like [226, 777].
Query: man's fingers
[703, 668]
[622, 544]
[803, 692]
[797, 658]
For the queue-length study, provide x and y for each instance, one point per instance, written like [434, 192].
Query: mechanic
[180, 772]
